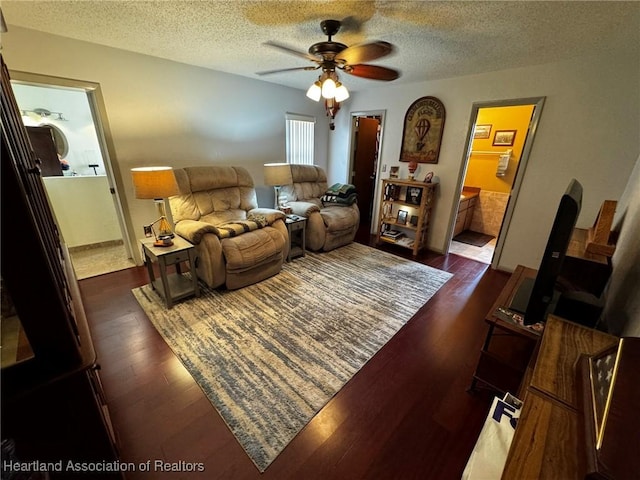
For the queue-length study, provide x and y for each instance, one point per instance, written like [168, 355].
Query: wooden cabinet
[405, 213]
[53, 408]
[465, 214]
[546, 443]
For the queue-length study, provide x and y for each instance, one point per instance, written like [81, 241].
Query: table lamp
[277, 175]
[157, 183]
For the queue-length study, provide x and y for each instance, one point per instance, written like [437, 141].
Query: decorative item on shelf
[413, 166]
[402, 217]
[392, 192]
[394, 172]
[413, 195]
[422, 134]
[428, 177]
[156, 183]
[414, 220]
[277, 175]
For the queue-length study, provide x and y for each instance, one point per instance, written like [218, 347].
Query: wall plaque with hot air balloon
[422, 134]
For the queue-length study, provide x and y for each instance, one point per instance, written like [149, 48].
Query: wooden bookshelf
[416, 200]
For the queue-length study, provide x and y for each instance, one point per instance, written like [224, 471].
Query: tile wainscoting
[489, 211]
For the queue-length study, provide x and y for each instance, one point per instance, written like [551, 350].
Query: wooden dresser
[546, 441]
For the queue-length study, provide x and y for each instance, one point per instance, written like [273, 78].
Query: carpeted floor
[271, 355]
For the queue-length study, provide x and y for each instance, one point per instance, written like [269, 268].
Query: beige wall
[588, 130]
[169, 113]
[166, 112]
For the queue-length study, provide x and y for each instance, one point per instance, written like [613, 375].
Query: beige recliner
[237, 243]
[328, 226]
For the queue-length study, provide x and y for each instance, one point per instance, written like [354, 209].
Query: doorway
[500, 138]
[82, 192]
[366, 138]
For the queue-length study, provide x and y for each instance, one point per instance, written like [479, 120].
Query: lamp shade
[277, 174]
[154, 182]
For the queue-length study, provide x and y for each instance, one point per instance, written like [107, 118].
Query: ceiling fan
[331, 56]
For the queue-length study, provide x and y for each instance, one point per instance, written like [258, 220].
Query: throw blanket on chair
[340, 194]
[238, 227]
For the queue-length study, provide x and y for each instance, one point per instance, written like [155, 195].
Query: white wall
[82, 222]
[167, 113]
[589, 129]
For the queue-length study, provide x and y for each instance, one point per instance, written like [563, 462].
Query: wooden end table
[171, 287]
[296, 226]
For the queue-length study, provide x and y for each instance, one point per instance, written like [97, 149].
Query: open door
[366, 136]
[499, 140]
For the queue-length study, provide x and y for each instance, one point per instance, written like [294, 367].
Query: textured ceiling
[433, 39]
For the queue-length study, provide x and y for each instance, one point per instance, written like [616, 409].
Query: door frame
[352, 146]
[105, 141]
[538, 103]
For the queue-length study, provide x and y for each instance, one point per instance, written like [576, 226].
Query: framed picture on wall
[482, 131]
[504, 138]
[402, 217]
[422, 133]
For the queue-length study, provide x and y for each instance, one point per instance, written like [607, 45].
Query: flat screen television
[536, 297]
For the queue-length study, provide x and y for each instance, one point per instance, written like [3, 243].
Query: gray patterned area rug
[271, 355]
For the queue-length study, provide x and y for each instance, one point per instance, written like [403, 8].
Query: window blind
[300, 138]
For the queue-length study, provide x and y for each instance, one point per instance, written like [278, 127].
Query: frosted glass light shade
[341, 93]
[314, 92]
[328, 88]
[154, 182]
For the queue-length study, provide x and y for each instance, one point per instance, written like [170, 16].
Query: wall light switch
[384, 167]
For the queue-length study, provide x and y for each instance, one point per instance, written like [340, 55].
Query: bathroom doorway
[82, 193]
[499, 140]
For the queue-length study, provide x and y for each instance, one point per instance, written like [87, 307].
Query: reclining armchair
[237, 243]
[328, 225]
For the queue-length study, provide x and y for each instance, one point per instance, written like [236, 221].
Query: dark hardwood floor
[405, 415]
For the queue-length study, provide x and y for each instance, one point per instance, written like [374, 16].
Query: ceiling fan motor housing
[326, 48]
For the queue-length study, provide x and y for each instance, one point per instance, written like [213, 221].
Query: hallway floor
[91, 262]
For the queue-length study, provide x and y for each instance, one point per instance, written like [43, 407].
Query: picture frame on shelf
[414, 220]
[394, 172]
[482, 131]
[504, 138]
[402, 217]
[413, 195]
[392, 192]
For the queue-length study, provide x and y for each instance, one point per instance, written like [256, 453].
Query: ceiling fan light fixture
[341, 92]
[329, 88]
[315, 91]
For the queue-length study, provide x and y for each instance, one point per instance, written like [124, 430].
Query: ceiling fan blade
[269, 72]
[373, 72]
[291, 51]
[365, 52]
